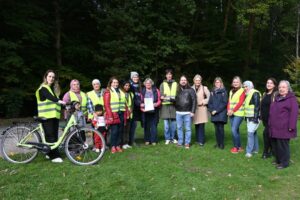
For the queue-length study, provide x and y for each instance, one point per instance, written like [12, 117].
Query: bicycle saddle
[39, 119]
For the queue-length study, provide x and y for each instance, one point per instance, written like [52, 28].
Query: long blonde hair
[218, 79]
[55, 85]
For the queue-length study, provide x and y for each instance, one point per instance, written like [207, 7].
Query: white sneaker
[57, 160]
[248, 155]
[47, 157]
[175, 141]
[128, 146]
[124, 146]
[97, 150]
[167, 142]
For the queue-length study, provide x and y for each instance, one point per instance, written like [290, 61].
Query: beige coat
[201, 115]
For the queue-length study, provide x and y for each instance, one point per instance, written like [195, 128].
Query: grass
[157, 172]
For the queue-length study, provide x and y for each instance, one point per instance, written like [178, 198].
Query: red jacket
[110, 117]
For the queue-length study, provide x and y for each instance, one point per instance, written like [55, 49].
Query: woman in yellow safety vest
[115, 105]
[48, 105]
[235, 111]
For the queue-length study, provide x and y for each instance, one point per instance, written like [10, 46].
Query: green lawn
[157, 172]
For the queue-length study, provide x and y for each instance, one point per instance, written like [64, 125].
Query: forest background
[87, 39]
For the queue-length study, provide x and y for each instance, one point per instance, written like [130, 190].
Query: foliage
[293, 71]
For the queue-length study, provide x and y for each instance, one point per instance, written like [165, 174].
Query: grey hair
[197, 76]
[287, 83]
[148, 79]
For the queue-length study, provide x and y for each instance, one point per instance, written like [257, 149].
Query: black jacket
[255, 100]
[186, 100]
[218, 102]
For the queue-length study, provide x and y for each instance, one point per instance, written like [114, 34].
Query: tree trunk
[226, 18]
[250, 43]
[58, 33]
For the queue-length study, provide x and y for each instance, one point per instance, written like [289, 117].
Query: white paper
[148, 104]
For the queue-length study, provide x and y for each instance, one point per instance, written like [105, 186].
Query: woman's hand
[61, 102]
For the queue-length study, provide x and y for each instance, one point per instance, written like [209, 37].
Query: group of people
[119, 107]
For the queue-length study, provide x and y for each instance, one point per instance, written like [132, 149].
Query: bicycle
[22, 142]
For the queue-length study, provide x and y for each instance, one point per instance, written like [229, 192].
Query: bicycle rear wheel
[10, 149]
[81, 149]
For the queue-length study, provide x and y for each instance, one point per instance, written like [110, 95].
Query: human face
[169, 76]
[197, 82]
[135, 79]
[270, 85]
[218, 84]
[148, 85]
[96, 86]
[50, 78]
[236, 83]
[246, 88]
[183, 81]
[99, 113]
[126, 87]
[75, 85]
[115, 83]
[283, 89]
[77, 106]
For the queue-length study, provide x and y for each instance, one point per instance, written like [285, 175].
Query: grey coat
[167, 111]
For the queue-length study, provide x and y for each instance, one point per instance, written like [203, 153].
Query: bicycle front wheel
[11, 149]
[85, 146]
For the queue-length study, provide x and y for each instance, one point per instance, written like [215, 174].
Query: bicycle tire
[11, 151]
[80, 147]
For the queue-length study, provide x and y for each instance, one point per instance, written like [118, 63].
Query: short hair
[148, 79]
[197, 76]
[169, 70]
[287, 83]
[98, 107]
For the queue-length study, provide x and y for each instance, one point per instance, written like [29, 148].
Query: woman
[49, 107]
[283, 123]
[135, 88]
[185, 109]
[235, 111]
[128, 114]
[151, 95]
[75, 94]
[114, 103]
[201, 115]
[267, 98]
[217, 107]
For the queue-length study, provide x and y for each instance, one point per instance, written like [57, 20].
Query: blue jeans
[186, 121]
[200, 133]
[117, 131]
[170, 128]
[150, 127]
[252, 142]
[235, 122]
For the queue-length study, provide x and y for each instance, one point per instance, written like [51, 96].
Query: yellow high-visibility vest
[117, 101]
[169, 93]
[129, 102]
[83, 102]
[47, 108]
[234, 99]
[95, 100]
[249, 109]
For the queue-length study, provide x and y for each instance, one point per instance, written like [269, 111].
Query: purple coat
[283, 116]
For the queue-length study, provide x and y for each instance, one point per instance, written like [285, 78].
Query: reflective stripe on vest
[234, 99]
[249, 109]
[83, 102]
[117, 103]
[169, 93]
[47, 108]
[95, 100]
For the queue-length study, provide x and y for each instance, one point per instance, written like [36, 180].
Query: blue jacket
[218, 102]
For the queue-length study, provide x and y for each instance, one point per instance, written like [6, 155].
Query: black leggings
[219, 132]
[50, 127]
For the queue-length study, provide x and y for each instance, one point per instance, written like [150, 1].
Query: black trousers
[219, 132]
[267, 140]
[281, 150]
[50, 127]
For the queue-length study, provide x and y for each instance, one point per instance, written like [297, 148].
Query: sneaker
[119, 149]
[128, 146]
[234, 150]
[167, 142]
[124, 146]
[248, 155]
[256, 152]
[175, 141]
[57, 160]
[187, 146]
[153, 143]
[47, 157]
[179, 145]
[240, 149]
[97, 150]
[201, 144]
[147, 143]
[113, 150]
